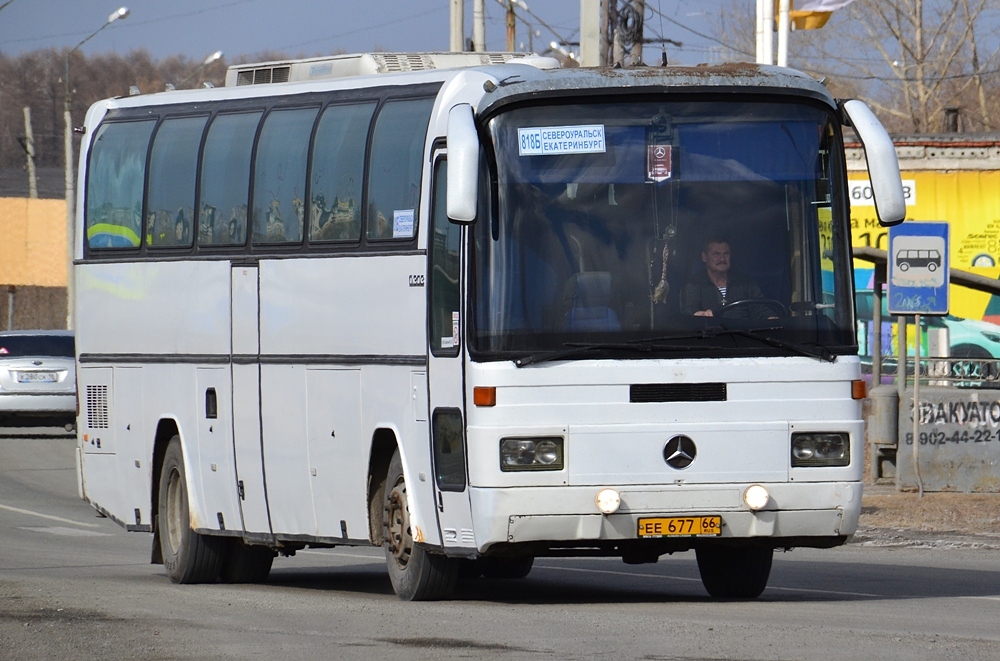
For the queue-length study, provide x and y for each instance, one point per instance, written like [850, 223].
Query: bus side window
[280, 176]
[395, 168]
[338, 170]
[172, 171]
[225, 178]
[115, 179]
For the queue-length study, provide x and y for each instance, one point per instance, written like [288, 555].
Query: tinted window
[627, 224]
[396, 160]
[338, 170]
[172, 173]
[444, 271]
[37, 345]
[225, 179]
[280, 176]
[115, 181]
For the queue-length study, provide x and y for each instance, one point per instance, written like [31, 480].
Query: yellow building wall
[33, 248]
[969, 201]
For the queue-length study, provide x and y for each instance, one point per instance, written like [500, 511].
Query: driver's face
[716, 257]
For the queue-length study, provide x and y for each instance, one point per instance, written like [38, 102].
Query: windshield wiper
[577, 348]
[821, 353]
[753, 333]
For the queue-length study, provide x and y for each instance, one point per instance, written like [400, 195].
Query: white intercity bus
[455, 305]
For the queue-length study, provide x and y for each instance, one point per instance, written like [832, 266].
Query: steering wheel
[769, 303]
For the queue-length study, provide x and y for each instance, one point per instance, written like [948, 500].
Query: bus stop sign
[918, 269]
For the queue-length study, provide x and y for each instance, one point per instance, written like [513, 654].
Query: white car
[37, 379]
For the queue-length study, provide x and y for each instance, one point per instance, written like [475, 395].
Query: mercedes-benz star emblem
[679, 452]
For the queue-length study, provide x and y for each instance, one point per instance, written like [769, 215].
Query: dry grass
[934, 512]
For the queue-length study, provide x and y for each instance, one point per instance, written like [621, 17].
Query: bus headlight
[531, 454]
[821, 449]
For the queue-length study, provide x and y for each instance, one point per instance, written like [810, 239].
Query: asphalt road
[73, 585]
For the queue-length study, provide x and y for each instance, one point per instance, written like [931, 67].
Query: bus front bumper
[797, 514]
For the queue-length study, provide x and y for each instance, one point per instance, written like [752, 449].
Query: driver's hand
[703, 313]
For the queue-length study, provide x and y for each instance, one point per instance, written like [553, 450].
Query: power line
[696, 32]
[132, 24]
[932, 78]
[374, 26]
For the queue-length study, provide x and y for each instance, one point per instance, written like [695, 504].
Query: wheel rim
[175, 508]
[399, 537]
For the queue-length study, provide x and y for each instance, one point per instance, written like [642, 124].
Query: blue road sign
[918, 269]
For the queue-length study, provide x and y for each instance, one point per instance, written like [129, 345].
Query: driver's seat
[589, 295]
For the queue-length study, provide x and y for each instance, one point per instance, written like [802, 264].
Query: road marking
[986, 598]
[618, 573]
[46, 516]
[66, 532]
[340, 554]
[698, 580]
[836, 592]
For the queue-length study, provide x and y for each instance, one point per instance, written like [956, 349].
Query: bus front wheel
[734, 572]
[416, 575]
[188, 556]
[246, 563]
[508, 568]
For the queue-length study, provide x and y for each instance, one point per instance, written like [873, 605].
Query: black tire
[508, 568]
[416, 575]
[246, 563]
[470, 569]
[188, 556]
[734, 572]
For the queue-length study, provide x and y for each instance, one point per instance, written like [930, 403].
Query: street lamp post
[201, 67]
[122, 12]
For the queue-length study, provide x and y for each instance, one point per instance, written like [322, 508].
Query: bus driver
[706, 293]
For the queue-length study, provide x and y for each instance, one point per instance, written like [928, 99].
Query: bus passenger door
[245, 357]
[445, 373]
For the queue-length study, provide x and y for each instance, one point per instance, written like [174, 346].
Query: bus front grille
[677, 392]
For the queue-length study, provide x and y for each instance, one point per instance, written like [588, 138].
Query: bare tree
[909, 59]
[930, 56]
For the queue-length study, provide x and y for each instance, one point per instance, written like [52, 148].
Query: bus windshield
[713, 228]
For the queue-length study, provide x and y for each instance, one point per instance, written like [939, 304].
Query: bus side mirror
[463, 164]
[883, 167]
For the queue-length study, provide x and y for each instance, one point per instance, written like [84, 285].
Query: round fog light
[608, 501]
[756, 497]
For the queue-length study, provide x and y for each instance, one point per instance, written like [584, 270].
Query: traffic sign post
[918, 269]
[918, 285]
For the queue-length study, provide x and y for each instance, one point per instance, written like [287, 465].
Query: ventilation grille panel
[396, 62]
[263, 76]
[677, 392]
[97, 407]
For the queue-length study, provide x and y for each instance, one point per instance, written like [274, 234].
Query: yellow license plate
[683, 526]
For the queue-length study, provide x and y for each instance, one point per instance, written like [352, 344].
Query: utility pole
[511, 27]
[29, 146]
[617, 45]
[457, 26]
[783, 27]
[479, 26]
[638, 39]
[593, 26]
[765, 32]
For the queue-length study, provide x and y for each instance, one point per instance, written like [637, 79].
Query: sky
[197, 28]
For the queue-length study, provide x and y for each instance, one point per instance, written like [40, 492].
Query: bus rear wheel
[734, 572]
[188, 556]
[416, 575]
